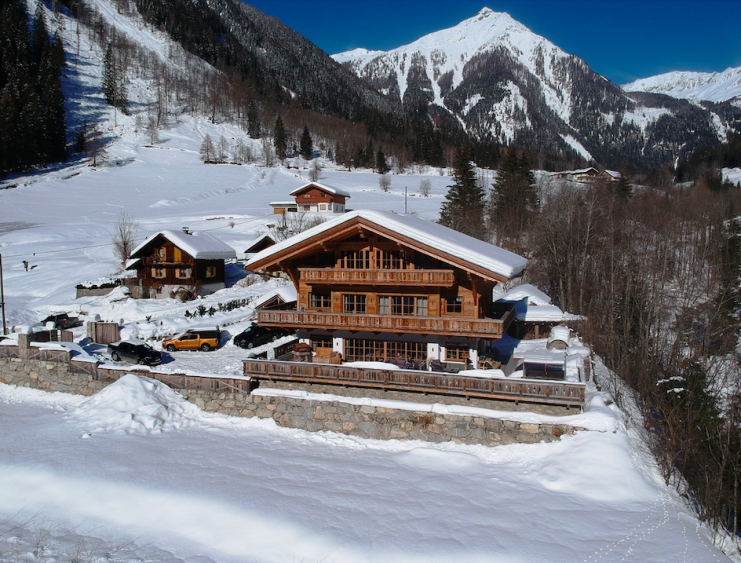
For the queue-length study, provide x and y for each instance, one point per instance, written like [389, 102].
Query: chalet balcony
[169, 261]
[490, 328]
[440, 278]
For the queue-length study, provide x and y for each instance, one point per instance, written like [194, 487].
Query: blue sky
[623, 40]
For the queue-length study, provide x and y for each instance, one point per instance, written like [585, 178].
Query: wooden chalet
[313, 197]
[260, 243]
[375, 285]
[171, 261]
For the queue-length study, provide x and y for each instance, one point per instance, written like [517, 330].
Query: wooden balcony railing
[535, 391]
[169, 261]
[447, 326]
[441, 278]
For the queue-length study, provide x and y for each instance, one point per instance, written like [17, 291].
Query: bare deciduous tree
[124, 237]
[290, 224]
[208, 151]
[152, 131]
[384, 182]
[268, 153]
[425, 187]
[315, 171]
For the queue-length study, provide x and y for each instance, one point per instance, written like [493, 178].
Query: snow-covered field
[137, 473]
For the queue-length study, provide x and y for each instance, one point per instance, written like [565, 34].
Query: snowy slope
[710, 86]
[155, 479]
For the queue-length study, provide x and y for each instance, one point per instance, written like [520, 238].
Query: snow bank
[135, 405]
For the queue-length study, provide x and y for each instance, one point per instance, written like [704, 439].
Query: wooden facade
[362, 280]
[313, 197]
[162, 267]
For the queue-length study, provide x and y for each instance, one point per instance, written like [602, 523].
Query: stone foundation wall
[364, 421]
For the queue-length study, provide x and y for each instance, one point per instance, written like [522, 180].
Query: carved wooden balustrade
[441, 278]
[535, 391]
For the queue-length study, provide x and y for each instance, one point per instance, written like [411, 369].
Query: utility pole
[405, 200]
[2, 295]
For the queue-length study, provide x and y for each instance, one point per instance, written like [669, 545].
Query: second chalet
[313, 197]
[170, 262]
[375, 286]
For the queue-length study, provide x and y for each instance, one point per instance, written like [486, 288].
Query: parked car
[203, 338]
[134, 351]
[61, 322]
[257, 335]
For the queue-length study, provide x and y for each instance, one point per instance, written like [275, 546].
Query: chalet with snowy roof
[313, 197]
[587, 175]
[377, 286]
[173, 261]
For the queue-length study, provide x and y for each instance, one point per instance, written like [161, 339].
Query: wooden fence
[535, 391]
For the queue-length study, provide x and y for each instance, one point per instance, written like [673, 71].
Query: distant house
[313, 198]
[171, 261]
[586, 175]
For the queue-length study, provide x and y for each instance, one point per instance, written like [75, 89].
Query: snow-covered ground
[139, 474]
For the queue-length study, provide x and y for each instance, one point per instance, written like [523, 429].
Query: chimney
[186, 230]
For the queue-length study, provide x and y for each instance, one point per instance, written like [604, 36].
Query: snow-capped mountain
[710, 86]
[501, 81]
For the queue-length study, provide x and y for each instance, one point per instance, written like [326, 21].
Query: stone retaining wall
[312, 415]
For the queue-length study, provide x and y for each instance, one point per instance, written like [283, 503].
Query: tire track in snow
[204, 196]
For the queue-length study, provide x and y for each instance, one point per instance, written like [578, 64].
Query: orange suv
[205, 339]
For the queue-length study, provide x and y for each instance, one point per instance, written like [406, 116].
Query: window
[321, 342]
[161, 253]
[320, 300]
[158, 273]
[454, 305]
[210, 271]
[354, 304]
[408, 306]
[391, 260]
[383, 305]
[355, 259]
[357, 349]
[322, 206]
[182, 273]
[456, 351]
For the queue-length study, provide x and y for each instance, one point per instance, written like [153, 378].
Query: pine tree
[381, 165]
[514, 197]
[253, 121]
[114, 89]
[280, 141]
[109, 77]
[623, 189]
[463, 208]
[306, 146]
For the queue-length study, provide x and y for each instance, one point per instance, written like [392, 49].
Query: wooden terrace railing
[447, 326]
[442, 278]
[526, 390]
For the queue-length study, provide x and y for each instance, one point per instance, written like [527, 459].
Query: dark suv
[258, 335]
[62, 322]
[135, 351]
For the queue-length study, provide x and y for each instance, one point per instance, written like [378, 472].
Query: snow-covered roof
[540, 313]
[613, 173]
[325, 187]
[574, 172]
[259, 240]
[443, 239]
[526, 291]
[287, 294]
[199, 245]
[283, 203]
